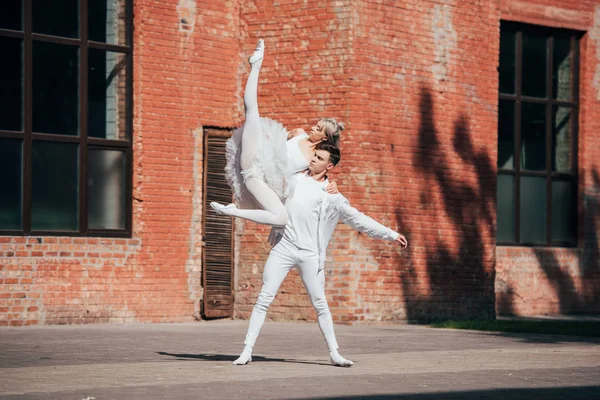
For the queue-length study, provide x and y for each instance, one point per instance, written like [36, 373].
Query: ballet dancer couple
[279, 178]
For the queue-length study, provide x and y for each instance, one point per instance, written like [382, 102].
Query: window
[537, 136]
[66, 117]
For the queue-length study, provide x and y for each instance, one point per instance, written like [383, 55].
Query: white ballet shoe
[220, 209]
[259, 52]
[243, 359]
[337, 360]
[342, 363]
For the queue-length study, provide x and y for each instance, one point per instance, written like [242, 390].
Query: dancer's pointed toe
[259, 52]
[220, 209]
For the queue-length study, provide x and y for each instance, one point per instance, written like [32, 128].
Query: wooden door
[217, 268]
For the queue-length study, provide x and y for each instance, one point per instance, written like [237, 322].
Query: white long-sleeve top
[332, 209]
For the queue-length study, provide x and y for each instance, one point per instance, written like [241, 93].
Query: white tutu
[270, 163]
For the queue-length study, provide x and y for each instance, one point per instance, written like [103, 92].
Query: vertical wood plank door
[217, 269]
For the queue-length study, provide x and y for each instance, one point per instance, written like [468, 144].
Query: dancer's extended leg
[273, 212]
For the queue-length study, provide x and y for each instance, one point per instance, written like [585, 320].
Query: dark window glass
[11, 84]
[65, 117]
[56, 17]
[561, 69]
[106, 189]
[55, 88]
[506, 134]
[533, 136]
[563, 212]
[533, 210]
[562, 157]
[11, 161]
[534, 65]
[107, 99]
[506, 208]
[11, 16]
[543, 211]
[55, 186]
[507, 62]
[107, 21]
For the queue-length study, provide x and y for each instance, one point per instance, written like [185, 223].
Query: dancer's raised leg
[273, 212]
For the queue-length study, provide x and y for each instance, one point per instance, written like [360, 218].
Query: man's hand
[402, 240]
[332, 188]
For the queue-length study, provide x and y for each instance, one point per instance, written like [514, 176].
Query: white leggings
[282, 258]
[273, 212]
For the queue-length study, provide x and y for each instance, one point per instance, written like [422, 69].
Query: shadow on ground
[581, 392]
[228, 357]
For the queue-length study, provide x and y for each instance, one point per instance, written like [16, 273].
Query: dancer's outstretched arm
[365, 224]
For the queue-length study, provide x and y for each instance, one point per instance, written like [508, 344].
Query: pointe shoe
[219, 208]
[259, 52]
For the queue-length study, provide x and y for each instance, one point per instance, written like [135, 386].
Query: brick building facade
[417, 85]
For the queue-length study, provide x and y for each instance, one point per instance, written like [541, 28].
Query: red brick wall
[419, 102]
[534, 281]
[304, 77]
[185, 62]
[416, 84]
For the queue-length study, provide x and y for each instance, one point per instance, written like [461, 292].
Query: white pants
[282, 258]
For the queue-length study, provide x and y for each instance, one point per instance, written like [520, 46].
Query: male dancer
[313, 216]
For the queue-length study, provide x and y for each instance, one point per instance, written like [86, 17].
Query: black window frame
[85, 143]
[574, 105]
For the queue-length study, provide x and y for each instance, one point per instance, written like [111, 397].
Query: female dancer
[261, 159]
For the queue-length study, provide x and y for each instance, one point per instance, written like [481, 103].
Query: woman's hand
[402, 240]
[332, 188]
[295, 132]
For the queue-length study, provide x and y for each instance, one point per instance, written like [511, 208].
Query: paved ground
[181, 361]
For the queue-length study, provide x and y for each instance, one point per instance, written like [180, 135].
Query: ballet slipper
[220, 209]
[259, 52]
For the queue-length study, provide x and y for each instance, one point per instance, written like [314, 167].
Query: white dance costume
[275, 161]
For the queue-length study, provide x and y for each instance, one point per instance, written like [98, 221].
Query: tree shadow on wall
[573, 299]
[458, 230]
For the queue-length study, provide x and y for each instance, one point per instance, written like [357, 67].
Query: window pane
[55, 88]
[561, 69]
[563, 212]
[56, 17]
[533, 136]
[107, 21]
[508, 62]
[506, 134]
[506, 208]
[55, 186]
[11, 16]
[533, 210]
[562, 159]
[107, 101]
[106, 189]
[534, 65]
[11, 161]
[11, 82]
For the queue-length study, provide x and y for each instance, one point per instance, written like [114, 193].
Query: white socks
[337, 360]
[245, 357]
